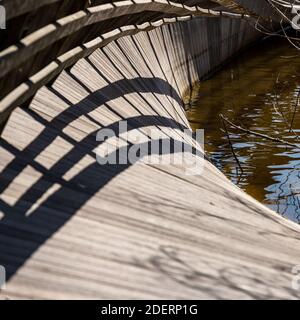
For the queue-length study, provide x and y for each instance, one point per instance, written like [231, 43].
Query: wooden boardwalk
[71, 228]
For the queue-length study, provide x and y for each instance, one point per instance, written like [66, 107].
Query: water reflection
[259, 92]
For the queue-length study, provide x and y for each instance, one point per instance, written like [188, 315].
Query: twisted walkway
[70, 228]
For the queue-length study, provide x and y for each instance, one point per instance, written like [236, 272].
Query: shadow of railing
[21, 234]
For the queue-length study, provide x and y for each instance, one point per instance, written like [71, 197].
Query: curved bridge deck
[70, 228]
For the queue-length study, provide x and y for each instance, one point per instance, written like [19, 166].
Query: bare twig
[259, 134]
[230, 144]
[295, 110]
[282, 8]
[280, 113]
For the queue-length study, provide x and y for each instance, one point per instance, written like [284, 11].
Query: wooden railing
[37, 58]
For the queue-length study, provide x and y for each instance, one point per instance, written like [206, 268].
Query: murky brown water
[258, 91]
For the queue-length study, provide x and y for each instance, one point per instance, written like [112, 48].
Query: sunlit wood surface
[71, 228]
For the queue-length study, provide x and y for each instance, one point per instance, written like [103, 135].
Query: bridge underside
[71, 228]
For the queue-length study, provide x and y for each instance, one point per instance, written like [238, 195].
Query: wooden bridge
[71, 228]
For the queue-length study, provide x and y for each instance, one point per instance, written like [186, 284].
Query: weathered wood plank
[71, 228]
